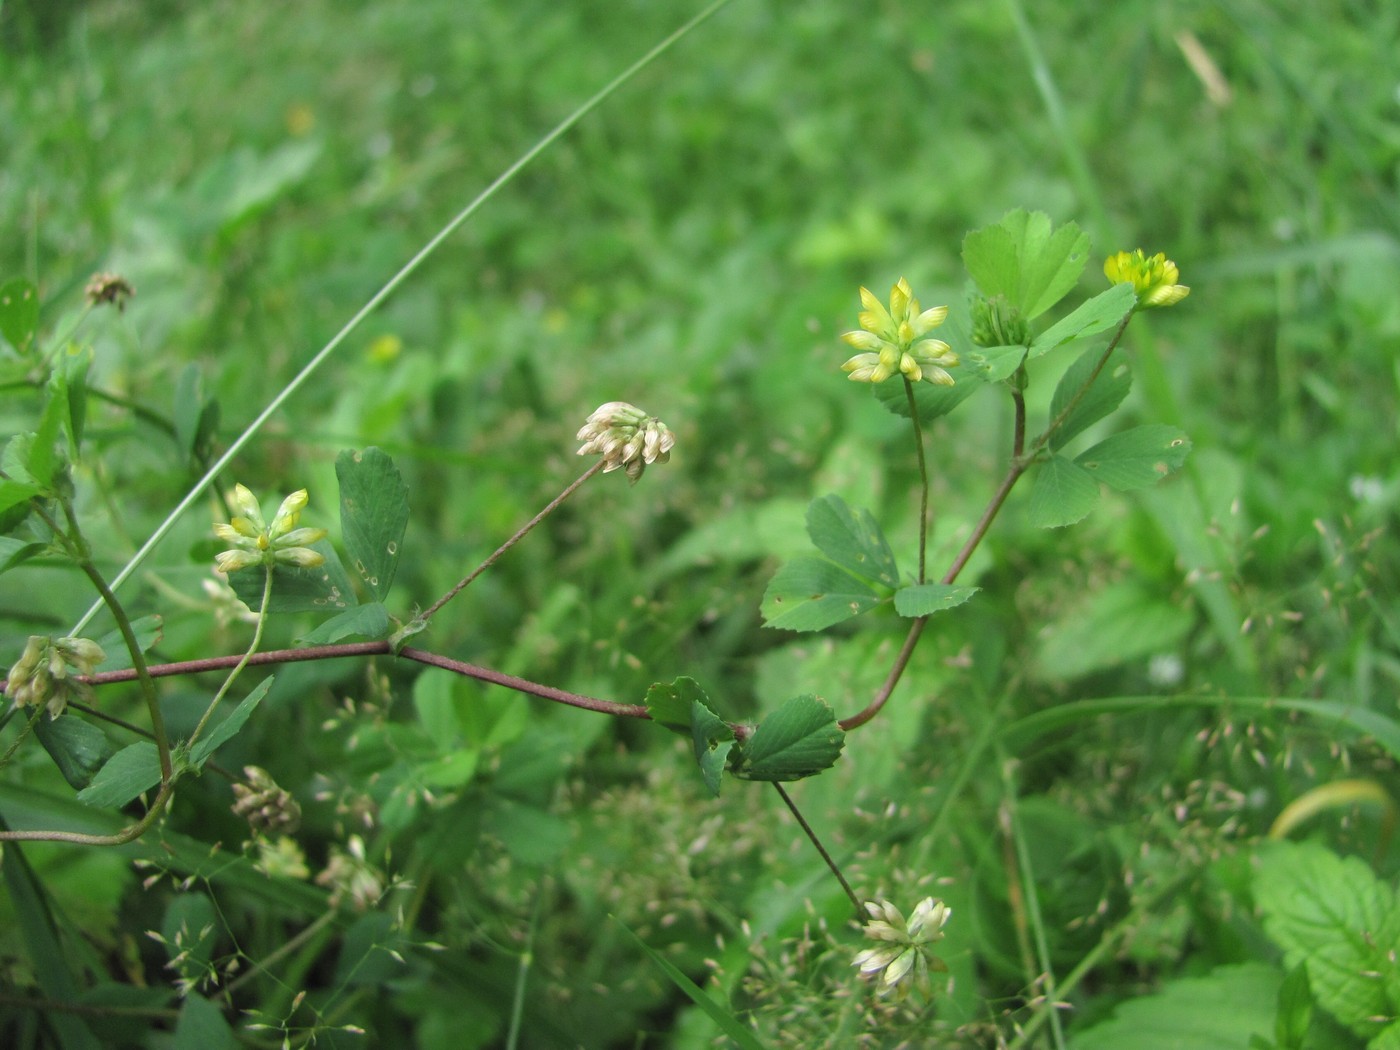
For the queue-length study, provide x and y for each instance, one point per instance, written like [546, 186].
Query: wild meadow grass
[1088, 761]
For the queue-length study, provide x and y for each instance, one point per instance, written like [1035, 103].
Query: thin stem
[243, 661]
[923, 476]
[1020, 463]
[388, 289]
[520, 534]
[522, 974]
[812, 835]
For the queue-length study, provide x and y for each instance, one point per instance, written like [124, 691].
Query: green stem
[243, 661]
[923, 477]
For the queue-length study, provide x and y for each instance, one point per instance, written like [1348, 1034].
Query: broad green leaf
[69, 383]
[450, 770]
[202, 1027]
[373, 516]
[1136, 458]
[1102, 313]
[1121, 623]
[800, 739]
[370, 620]
[713, 740]
[78, 748]
[852, 539]
[1024, 259]
[1109, 389]
[933, 400]
[19, 312]
[43, 463]
[13, 493]
[1332, 915]
[132, 770]
[1295, 1010]
[225, 730]
[325, 588]
[1219, 1011]
[808, 594]
[722, 1017]
[195, 416]
[669, 704]
[923, 599]
[1063, 493]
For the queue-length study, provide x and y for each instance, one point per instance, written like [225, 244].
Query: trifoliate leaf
[1109, 389]
[1136, 458]
[809, 594]
[800, 739]
[923, 599]
[1025, 260]
[373, 516]
[852, 539]
[370, 620]
[1063, 493]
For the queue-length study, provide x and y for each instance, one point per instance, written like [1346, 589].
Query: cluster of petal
[257, 543]
[902, 957]
[350, 876]
[1153, 278]
[891, 340]
[263, 804]
[44, 672]
[626, 437]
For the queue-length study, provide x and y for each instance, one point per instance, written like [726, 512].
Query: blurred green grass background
[258, 170]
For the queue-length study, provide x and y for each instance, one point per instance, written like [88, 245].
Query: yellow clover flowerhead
[1153, 279]
[892, 340]
[902, 957]
[256, 543]
[625, 436]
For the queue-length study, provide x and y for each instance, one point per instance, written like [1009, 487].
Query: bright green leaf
[1102, 313]
[1063, 493]
[1332, 915]
[1025, 260]
[808, 594]
[933, 400]
[713, 740]
[1106, 393]
[923, 599]
[1136, 458]
[669, 704]
[225, 730]
[994, 363]
[78, 748]
[19, 312]
[132, 770]
[15, 552]
[202, 1027]
[1295, 1010]
[373, 516]
[800, 739]
[852, 539]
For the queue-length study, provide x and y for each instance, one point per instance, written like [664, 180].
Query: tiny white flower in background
[1165, 669]
[902, 958]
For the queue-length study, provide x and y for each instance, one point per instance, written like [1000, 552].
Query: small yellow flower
[256, 543]
[892, 340]
[1153, 279]
[902, 958]
[625, 436]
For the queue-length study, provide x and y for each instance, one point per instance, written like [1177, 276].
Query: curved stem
[243, 661]
[923, 477]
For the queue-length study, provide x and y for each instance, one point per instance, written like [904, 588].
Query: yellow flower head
[1153, 279]
[257, 543]
[891, 340]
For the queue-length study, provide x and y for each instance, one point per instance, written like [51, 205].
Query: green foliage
[1026, 260]
[1332, 916]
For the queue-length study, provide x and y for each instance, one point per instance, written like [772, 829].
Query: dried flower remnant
[43, 673]
[108, 289]
[266, 807]
[902, 958]
[627, 437]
